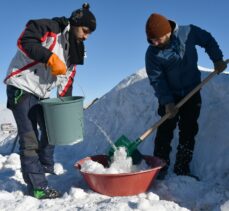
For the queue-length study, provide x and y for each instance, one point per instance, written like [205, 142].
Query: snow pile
[120, 164]
[6, 116]
[129, 109]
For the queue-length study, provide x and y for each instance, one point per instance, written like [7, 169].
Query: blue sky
[117, 48]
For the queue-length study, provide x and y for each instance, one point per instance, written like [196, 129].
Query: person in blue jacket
[171, 66]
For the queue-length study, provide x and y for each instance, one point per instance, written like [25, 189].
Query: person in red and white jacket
[47, 55]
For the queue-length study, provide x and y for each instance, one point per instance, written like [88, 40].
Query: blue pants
[188, 128]
[36, 153]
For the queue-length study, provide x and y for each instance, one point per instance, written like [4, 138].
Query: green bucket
[64, 119]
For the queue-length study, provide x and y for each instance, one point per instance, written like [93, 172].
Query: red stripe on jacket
[19, 45]
[20, 70]
[69, 83]
[48, 34]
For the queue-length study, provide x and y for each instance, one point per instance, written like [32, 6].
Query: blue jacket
[173, 71]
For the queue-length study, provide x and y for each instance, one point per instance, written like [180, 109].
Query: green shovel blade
[130, 146]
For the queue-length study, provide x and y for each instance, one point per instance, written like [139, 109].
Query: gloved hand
[56, 65]
[171, 108]
[220, 66]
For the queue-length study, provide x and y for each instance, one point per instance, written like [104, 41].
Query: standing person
[171, 65]
[48, 52]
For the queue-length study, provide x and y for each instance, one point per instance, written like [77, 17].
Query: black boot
[46, 193]
[162, 173]
[185, 172]
[183, 159]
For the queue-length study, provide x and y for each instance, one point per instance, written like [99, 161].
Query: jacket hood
[173, 25]
[63, 22]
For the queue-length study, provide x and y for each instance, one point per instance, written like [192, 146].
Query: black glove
[171, 108]
[220, 66]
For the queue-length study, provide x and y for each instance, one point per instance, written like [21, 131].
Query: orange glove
[56, 65]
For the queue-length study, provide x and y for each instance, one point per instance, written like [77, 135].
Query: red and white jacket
[28, 70]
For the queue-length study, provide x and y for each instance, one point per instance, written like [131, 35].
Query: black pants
[35, 152]
[188, 128]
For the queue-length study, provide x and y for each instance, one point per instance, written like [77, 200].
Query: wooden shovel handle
[184, 100]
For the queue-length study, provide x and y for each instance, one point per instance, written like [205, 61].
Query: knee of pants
[187, 141]
[31, 164]
[189, 130]
[28, 144]
[46, 156]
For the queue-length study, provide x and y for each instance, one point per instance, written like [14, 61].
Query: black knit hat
[83, 17]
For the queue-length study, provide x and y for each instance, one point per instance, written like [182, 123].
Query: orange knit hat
[157, 26]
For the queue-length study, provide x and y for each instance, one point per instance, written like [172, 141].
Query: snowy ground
[130, 109]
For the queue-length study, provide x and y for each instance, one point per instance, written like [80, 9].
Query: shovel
[131, 146]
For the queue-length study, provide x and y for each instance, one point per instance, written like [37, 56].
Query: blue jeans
[36, 154]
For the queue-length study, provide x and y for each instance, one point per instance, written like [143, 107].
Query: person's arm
[205, 40]
[157, 79]
[37, 31]
[30, 42]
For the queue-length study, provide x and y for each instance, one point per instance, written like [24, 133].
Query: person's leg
[188, 126]
[164, 137]
[46, 151]
[23, 111]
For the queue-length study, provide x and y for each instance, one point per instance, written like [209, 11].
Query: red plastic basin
[125, 184]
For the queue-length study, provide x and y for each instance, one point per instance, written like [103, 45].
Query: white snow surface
[130, 109]
[120, 163]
